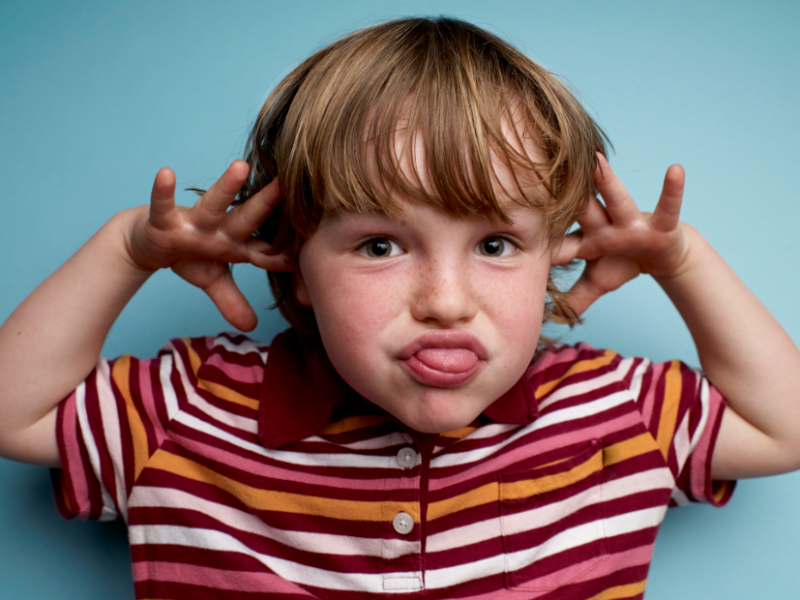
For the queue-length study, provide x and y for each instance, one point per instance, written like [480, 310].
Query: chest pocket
[552, 522]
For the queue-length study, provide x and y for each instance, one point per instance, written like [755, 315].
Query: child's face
[430, 317]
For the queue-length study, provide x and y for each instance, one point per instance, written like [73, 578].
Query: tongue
[447, 360]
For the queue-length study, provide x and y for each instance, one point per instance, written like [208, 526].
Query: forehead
[492, 179]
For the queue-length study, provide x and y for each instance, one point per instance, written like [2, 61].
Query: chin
[440, 417]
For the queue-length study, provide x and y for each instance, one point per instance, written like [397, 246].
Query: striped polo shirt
[247, 471]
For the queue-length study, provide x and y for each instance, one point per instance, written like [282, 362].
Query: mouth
[444, 358]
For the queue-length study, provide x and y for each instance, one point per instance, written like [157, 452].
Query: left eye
[495, 247]
[379, 248]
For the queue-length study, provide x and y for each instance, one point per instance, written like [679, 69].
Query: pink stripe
[492, 465]
[700, 467]
[278, 473]
[148, 398]
[77, 476]
[239, 581]
[567, 354]
[613, 563]
[241, 373]
[656, 370]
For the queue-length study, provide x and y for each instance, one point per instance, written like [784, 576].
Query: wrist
[120, 232]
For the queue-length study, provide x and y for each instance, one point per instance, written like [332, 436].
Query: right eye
[379, 247]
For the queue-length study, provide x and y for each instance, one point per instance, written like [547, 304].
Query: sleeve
[683, 412]
[107, 429]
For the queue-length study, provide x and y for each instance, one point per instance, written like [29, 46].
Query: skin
[431, 284]
[438, 274]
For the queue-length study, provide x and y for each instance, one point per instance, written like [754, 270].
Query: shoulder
[569, 364]
[223, 350]
[226, 358]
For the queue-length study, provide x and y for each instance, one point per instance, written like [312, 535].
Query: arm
[51, 342]
[742, 348]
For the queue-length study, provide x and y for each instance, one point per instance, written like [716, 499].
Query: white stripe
[110, 418]
[679, 497]
[108, 511]
[558, 416]
[582, 387]
[705, 403]
[638, 376]
[245, 347]
[291, 571]
[474, 533]
[159, 497]
[626, 523]
[216, 413]
[164, 374]
[681, 441]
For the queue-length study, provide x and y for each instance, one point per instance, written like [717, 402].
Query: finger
[599, 278]
[245, 219]
[668, 210]
[582, 295]
[620, 206]
[209, 211]
[594, 218]
[162, 200]
[231, 303]
[257, 253]
[568, 250]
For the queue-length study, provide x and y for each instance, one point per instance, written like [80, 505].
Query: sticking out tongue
[447, 360]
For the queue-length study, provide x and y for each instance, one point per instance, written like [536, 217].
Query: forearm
[748, 356]
[52, 341]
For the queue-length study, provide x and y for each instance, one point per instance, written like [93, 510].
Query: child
[411, 188]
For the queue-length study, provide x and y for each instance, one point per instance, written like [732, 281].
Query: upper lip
[445, 338]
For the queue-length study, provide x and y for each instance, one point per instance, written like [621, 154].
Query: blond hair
[329, 131]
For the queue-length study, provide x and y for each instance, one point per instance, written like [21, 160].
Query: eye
[379, 247]
[495, 247]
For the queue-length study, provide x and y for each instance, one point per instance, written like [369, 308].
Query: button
[406, 458]
[403, 523]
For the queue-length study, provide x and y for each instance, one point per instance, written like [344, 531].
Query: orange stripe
[353, 423]
[217, 389]
[491, 492]
[226, 393]
[548, 483]
[669, 410]
[636, 446]
[194, 360]
[120, 375]
[259, 499]
[579, 367]
[621, 591]
[459, 433]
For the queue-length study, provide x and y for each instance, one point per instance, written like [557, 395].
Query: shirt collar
[301, 389]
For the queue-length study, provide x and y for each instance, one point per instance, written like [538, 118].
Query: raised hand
[197, 243]
[618, 241]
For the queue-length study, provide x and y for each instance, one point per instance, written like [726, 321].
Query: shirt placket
[402, 543]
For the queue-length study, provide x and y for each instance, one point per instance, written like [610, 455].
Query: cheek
[518, 308]
[350, 309]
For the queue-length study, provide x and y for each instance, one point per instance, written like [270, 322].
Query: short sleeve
[683, 412]
[110, 427]
[106, 430]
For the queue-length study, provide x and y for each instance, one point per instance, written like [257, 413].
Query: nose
[443, 294]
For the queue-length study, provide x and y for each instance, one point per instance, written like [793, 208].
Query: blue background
[95, 97]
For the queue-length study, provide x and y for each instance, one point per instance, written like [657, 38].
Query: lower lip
[433, 378]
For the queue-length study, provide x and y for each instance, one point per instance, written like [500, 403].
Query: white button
[403, 523]
[406, 458]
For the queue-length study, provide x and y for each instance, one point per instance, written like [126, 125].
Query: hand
[618, 241]
[199, 242]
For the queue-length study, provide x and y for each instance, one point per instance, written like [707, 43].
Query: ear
[301, 290]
